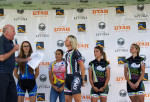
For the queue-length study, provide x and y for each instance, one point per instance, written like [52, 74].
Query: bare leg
[68, 98]
[20, 98]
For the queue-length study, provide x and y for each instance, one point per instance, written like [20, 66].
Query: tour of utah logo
[81, 27]
[100, 43]
[21, 28]
[59, 12]
[39, 45]
[141, 25]
[121, 60]
[119, 9]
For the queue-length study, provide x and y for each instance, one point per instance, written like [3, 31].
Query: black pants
[8, 91]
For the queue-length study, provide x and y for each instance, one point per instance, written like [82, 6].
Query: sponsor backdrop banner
[114, 28]
[66, 4]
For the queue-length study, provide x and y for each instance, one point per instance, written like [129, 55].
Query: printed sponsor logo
[20, 11]
[141, 25]
[100, 43]
[85, 97]
[41, 13]
[120, 79]
[20, 17]
[43, 86]
[119, 9]
[43, 78]
[39, 45]
[122, 93]
[121, 42]
[60, 43]
[122, 28]
[62, 29]
[140, 7]
[21, 28]
[81, 27]
[42, 26]
[121, 60]
[41, 97]
[1, 12]
[140, 14]
[100, 12]
[80, 10]
[143, 44]
[102, 26]
[83, 45]
[59, 12]
[76, 83]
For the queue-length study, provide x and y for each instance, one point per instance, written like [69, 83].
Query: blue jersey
[27, 74]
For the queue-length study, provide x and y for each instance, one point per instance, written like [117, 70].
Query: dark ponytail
[104, 56]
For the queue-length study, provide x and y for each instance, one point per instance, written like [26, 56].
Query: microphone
[16, 41]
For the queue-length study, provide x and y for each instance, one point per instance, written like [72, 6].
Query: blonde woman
[134, 71]
[74, 79]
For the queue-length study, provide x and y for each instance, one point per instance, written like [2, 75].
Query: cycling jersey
[27, 82]
[26, 75]
[134, 72]
[58, 69]
[99, 76]
[99, 70]
[134, 67]
[73, 80]
[72, 59]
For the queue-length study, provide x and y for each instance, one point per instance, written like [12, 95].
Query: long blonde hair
[73, 41]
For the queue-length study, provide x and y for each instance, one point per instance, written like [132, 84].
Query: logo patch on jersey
[100, 68]
[134, 65]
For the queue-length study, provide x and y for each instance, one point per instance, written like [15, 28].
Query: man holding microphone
[8, 92]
